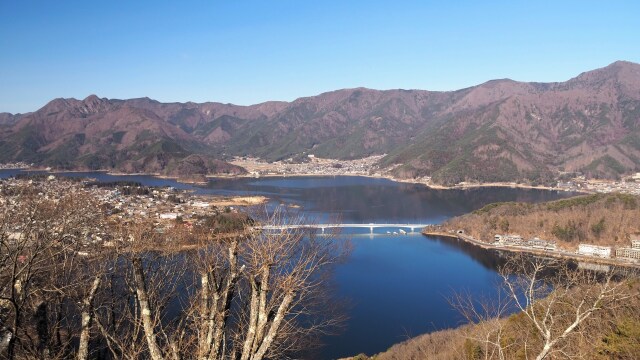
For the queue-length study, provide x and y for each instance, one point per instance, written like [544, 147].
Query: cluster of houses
[517, 240]
[314, 165]
[627, 253]
[122, 204]
[628, 185]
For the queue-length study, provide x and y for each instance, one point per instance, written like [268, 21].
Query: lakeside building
[541, 244]
[508, 239]
[630, 253]
[517, 240]
[594, 250]
[200, 204]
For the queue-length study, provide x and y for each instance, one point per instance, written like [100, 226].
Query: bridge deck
[329, 226]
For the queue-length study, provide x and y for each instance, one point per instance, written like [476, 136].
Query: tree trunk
[227, 296]
[275, 326]
[204, 345]
[545, 351]
[253, 319]
[5, 338]
[145, 309]
[262, 309]
[42, 328]
[87, 319]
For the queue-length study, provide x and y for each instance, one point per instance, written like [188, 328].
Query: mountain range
[501, 130]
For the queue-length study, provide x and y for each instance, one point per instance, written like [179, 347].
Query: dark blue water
[397, 285]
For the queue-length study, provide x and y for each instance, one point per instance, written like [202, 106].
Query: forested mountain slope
[501, 130]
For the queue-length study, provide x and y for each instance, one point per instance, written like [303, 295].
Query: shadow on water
[490, 259]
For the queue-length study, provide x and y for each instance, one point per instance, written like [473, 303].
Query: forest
[603, 219]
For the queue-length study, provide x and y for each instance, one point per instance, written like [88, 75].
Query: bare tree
[133, 309]
[550, 308]
[260, 292]
[256, 293]
[241, 293]
[44, 247]
[488, 317]
[558, 301]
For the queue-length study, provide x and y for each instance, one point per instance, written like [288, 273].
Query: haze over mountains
[501, 130]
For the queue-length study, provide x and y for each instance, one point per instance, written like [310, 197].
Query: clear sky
[246, 52]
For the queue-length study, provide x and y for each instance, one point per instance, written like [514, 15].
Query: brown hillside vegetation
[605, 219]
[614, 339]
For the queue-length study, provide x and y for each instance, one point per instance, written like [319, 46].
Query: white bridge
[370, 226]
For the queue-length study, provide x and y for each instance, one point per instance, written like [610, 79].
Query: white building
[169, 216]
[628, 253]
[508, 239]
[594, 250]
[201, 204]
[541, 244]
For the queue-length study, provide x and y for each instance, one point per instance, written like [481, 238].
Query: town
[311, 165]
[123, 203]
[315, 166]
[626, 185]
[15, 165]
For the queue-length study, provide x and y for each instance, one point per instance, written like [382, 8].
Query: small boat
[402, 232]
[395, 233]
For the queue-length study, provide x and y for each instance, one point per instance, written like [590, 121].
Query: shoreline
[553, 254]
[208, 177]
[398, 180]
[114, 173]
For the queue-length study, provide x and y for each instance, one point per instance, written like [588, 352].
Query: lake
[397, 285]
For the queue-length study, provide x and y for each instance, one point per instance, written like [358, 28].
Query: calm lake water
[397, 285]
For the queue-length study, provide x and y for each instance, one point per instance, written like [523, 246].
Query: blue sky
[246, 52]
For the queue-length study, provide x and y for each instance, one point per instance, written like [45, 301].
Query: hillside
[106, 134]
[604, 219]
[501, 130]
[7, 119]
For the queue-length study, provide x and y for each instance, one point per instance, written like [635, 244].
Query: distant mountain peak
[625, 72]
[623, 63]
[91, 98]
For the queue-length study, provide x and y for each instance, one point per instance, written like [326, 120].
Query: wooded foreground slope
[550, 310]
[612, 334]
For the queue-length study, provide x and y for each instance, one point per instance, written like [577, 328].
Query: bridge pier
[322, 229]
[371, 229]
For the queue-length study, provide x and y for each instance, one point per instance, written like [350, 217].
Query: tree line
[605, 219]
